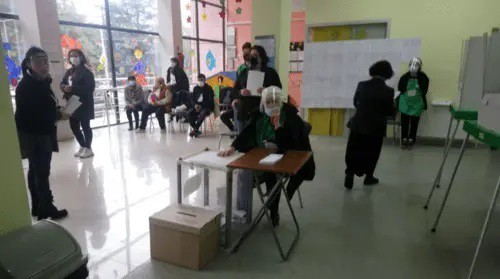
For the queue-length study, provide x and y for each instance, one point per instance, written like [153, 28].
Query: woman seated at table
[278, 124]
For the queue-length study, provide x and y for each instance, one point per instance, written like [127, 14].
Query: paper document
[271, 159]
[72, 105]
[255, 81]
[211, 159]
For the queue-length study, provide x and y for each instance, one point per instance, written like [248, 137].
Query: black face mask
[254, 61]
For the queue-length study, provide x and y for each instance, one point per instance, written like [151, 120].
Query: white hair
[273, 93]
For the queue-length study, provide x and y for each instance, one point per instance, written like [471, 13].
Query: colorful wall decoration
[13, 70]
[211, 60]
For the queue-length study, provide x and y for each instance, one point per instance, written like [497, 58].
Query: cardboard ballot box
[184, 235]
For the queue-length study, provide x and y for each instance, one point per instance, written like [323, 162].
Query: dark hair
[30, 53]
[174, 59]
[83, 58]
[202, 76]
[382, 69]
[246, 45]
[131, 78]
[221, 78]
[262, 53]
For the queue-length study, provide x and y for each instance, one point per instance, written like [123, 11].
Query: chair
[395, 122]
[211, 120]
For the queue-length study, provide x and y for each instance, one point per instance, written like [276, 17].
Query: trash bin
[42, 251]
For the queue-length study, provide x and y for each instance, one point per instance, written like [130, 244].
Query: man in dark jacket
[374, 102]
[203, 100]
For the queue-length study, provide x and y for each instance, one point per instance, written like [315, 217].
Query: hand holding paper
[72, 105]
[255, 81]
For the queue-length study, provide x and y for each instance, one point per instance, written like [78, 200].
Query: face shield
[415, 65]
[272, 101]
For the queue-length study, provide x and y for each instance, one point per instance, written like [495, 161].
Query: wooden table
[289, 166]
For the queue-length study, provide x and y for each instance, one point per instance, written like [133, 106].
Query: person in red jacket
[159, 103]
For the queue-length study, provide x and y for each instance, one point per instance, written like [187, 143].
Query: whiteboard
[332, 70]
[492, 80]
[472, 74]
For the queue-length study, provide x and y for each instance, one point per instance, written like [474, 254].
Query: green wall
[442, 25]
[14, 210]
[273, 17]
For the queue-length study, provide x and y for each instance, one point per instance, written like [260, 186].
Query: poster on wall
[269, 44]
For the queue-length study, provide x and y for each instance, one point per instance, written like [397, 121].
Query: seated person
[182, 103]
[134, 101]
[203, 100]
[280, 124]
[159, 103]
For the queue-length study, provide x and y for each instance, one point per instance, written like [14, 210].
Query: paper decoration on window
[222, 14]
[203, 4]
[238, 11]
[122, 70]
[70, 42]
[102, 63]
[188, 19]
[204, 16]
[118, 57]
[13, 69]
[139, 67]
[211, 61]
[238, 1]
[191, 53]
[138, 53]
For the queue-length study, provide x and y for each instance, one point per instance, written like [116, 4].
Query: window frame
[197, 38]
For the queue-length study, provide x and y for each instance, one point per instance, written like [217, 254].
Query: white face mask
[272, 111]
[201, 83]
[75, 60]
[131, 83]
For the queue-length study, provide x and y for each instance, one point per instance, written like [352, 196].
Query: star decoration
[238, 1]
[189, 19]
[188, 6]
[203, 4]
[238, 11]
[222, 14]
[204, 16]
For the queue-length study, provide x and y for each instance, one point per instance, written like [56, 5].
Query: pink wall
[242, 23]
[298, 35]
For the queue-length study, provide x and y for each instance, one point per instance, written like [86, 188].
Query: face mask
[75, 60]
[131, 83]
[174, 64]
[246, 57]
[254, 62]
[272, 111]
[201, 83]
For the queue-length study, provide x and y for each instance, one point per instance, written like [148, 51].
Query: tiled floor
[379, 232]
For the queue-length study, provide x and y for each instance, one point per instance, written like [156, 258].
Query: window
[119, 38]
[203, 37]
[7, 7]
[134, 14]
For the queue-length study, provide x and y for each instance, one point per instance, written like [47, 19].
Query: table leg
[440, 171]
[462, 150]
[179, 183]
[206, 188]
[449, 142]
[250, 201]
[229, 207]
[484, 229]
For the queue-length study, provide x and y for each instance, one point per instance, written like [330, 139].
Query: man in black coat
[203, 100]
[374, 102]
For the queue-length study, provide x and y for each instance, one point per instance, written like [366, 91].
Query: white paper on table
[271, 159]
[72, 105]
[211, 159]
[255, 81]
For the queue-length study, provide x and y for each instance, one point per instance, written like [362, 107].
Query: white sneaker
[79, 152]
[87, 152]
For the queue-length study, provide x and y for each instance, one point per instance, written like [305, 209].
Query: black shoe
[197, 134]
[370, 181]
[275, 219]
[349, 181]
[53, 213]
[192, 133]
[130, 128]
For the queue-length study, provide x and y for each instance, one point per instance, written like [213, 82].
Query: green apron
[265, 129]
[411, 102]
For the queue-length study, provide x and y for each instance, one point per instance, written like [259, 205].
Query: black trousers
[135, 112]
[362, 153]
[270, 180]
[196, 118]
[160, 115]
[227, 118]
[82, 131]
[38, 180]
[409, 127]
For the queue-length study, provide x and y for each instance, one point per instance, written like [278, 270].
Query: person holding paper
[36, 114]
[159, 103]
[79, 81]
[203, 100]
[279, 124]
[412, 101]
[134, 101]
[258, 62]
[374, 102]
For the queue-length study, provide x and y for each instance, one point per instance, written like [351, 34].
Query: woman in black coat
[279, 124]
[79, 81]
[258, 62]
[374, 103]
[36, 114]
